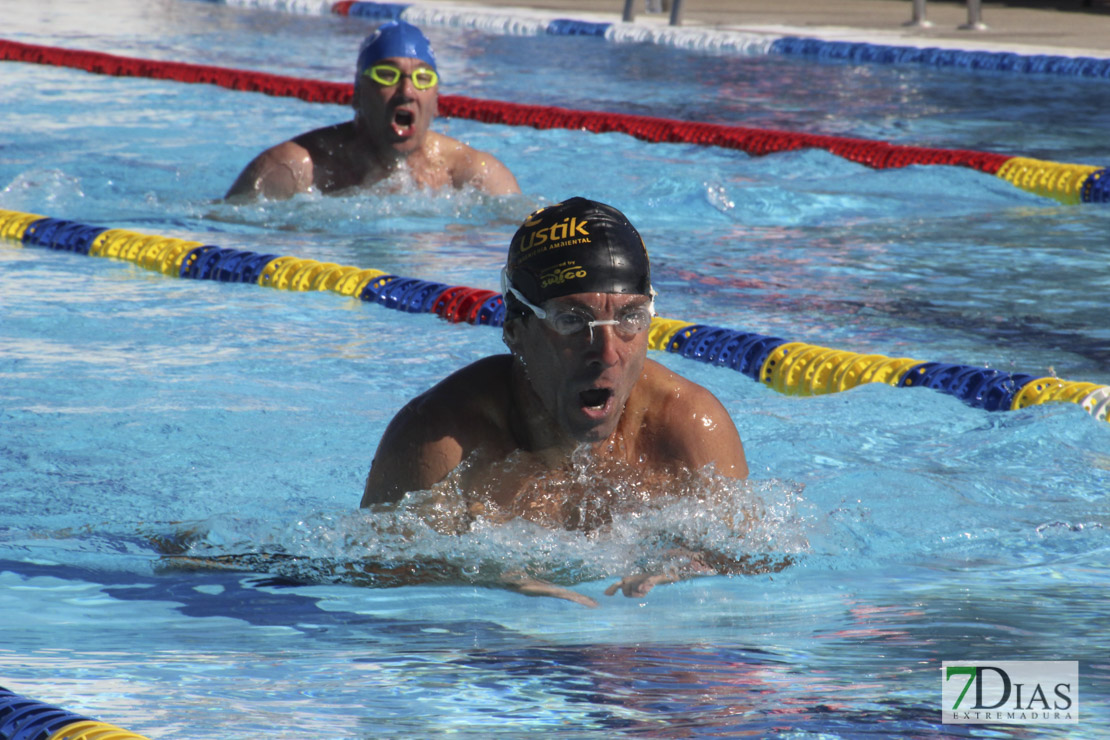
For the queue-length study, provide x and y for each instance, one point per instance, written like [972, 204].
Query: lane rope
[792, 368]
[523, 22]
[29, 719]
[1066, 183]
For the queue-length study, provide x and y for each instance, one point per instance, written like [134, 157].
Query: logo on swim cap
[577, 246]
[562, 272]
[570, 230]
[394, 40]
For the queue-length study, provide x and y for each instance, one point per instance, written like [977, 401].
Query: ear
[511, 332]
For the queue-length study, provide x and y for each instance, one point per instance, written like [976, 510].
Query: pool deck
[1063, 27]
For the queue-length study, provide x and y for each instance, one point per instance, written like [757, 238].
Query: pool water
[140, 413]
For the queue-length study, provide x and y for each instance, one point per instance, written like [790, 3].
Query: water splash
[696, 524]
[387, 206]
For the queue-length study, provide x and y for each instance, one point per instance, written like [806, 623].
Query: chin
[593, 426]
[405, 146]
[593, 434]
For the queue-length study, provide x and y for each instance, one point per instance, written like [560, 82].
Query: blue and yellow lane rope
[29, 719]
[793, 368]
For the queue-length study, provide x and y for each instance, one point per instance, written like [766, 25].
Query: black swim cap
[577, 246]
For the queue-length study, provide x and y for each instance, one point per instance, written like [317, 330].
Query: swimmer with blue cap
[509, 430]
[395, 101]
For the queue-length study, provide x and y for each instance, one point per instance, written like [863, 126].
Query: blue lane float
[1096, 188]
[983, 388]
[990, 61]
[59, 234]
[29, 719]
[375, 11]
[571, 27]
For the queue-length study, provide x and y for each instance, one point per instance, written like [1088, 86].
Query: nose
[405, 85]
[604, 343]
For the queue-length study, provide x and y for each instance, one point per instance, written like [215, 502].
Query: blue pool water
[138, 410]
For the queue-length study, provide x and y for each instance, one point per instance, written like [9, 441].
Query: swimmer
[395, 97]
[508, 428]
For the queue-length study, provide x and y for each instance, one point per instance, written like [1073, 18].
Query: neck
[374, 151]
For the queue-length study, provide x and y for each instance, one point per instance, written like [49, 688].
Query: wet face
[582, 381]
[397, 114]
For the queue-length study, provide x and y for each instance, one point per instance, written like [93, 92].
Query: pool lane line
[792, 368]
[312, 91]
[531, 22]
[988, 61]
[21, 718]
[1066, 183]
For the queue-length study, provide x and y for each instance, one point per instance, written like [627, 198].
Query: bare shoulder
[292, 166]
[319, 142]
[468, 405]
[470, 166]
[438, 429]
[480, 385]
[688, 423]
[279, 172]
[675, 392]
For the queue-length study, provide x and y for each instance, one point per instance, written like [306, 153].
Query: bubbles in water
[718, 197]
[31, 189]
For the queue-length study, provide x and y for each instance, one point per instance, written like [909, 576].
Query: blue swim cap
[396, 39]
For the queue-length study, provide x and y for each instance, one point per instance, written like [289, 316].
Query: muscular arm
[278, 173]
[431, 435]
[485, 172]
[417, 451]
[709, 436]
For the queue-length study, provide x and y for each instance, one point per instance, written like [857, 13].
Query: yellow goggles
[388, 75]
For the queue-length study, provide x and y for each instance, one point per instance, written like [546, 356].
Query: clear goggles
[388, 75]
[568, 321]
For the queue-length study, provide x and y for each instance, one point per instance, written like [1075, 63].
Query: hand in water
[640, 584]
[525, 584]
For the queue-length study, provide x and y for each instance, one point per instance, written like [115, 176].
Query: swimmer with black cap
[395, 101]
[579, 303]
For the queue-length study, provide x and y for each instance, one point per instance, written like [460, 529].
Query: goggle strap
[507, 287]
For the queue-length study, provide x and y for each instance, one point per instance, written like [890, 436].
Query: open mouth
[403, 121]
[595, 398]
